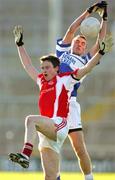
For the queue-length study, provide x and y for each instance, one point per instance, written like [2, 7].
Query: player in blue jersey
[71, 51]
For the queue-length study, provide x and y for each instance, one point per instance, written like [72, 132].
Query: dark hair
[51, 58]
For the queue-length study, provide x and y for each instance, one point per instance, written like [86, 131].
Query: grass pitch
[64, 176]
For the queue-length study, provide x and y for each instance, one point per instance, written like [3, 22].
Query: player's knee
[28, 121]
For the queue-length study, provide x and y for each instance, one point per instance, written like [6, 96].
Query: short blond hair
[81, 36]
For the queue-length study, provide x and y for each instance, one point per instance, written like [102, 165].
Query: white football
[90, 27]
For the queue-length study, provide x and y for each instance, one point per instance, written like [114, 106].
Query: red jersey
[54, 94]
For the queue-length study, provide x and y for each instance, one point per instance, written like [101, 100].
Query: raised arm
[24, 57]
[70, 33]
[103, 13]
[104, 47]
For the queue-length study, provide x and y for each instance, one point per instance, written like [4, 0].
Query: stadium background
[43, 22]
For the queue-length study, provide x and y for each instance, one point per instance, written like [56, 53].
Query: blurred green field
[64, 176]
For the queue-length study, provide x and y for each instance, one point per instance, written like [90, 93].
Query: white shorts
[62, 133]
[74, 118]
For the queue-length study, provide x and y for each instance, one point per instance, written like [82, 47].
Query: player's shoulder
[62, 47]
[64, 74]
[40, 75]
[61, 44]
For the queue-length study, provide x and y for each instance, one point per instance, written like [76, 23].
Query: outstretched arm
[70, 33]
[24, 57]
[103, 13]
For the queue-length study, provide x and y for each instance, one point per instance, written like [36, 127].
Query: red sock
[27, 149]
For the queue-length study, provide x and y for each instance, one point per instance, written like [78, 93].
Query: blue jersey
[69, 61]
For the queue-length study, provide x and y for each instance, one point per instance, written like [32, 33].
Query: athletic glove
[106, 44]
[102, 11]
[18, 34]
[97, 7]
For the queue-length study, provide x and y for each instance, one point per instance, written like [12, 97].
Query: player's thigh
[50, 161]
[74, 118]
[44, 125]
[77, 139]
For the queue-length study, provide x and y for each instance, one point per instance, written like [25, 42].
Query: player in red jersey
[55, 90]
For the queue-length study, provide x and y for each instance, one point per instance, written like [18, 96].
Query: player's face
[48, 70]
[78, 46]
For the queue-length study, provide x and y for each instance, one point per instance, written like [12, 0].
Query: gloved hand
[106, 44]
[18, 34]
[102, 11]
[97, 7]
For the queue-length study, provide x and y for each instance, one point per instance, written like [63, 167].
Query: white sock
[25, 156]
[89, 177]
